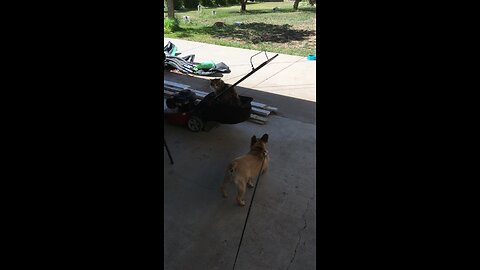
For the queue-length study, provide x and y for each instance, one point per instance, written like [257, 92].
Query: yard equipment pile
[259, 112]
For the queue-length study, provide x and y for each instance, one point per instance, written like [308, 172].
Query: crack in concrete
[300, 235]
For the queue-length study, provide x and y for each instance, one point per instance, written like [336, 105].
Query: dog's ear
[264, 138]
[253, 140]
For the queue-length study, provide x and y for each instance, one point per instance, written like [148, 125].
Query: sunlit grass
[286, 31]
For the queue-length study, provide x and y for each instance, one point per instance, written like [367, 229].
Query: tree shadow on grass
[280, 10]
[252, 33]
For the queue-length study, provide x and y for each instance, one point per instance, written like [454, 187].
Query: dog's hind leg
[241, 192]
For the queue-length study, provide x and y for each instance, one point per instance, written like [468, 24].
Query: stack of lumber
[259, 114]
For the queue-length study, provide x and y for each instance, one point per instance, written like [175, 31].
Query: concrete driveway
[202, 229]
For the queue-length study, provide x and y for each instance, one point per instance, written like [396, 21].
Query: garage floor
[202, 229]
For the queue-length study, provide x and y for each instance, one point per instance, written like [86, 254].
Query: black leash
[248, 213]
[168, 151]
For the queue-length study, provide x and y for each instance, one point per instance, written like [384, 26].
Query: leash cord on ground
[248, 213]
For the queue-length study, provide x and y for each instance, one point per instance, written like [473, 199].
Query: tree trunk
[171, 13]
[295, 5]
[243, 7]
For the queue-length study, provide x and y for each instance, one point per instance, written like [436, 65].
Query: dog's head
[259, 143]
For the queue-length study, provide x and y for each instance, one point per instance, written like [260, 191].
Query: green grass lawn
[285, 31]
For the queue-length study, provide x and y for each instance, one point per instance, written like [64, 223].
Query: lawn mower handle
[254, 69]
[250, 73]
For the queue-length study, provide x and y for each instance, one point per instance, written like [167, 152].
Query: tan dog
[244, 168]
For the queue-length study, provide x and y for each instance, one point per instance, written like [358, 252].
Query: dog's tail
[230, 171]
[232, 167]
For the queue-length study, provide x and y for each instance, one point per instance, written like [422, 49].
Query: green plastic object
[205, 65]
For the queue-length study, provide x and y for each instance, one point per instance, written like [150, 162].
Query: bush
[206, 3]
[220, 3]
[191, 3]
[170, 25]
[177, 4]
